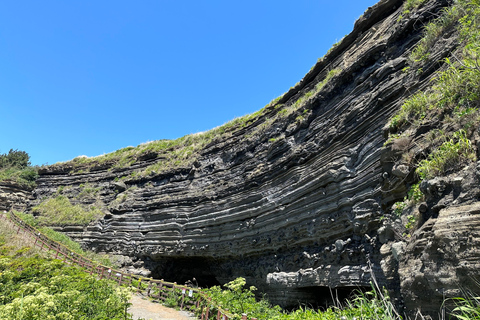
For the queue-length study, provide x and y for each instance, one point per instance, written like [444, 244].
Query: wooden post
[208, 307]
[183, 298]
[160, 289]
[149, 288]
[103, 270]
[121, 279]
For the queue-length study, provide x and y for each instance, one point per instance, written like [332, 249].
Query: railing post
[120, 280]
[183, 298]
[160, 289]
[149, 288]
[208, 307]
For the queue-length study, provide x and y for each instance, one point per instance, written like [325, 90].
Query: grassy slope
[34, 287]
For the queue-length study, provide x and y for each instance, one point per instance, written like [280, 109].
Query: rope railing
[192, 299]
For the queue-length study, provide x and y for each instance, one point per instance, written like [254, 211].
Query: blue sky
[91, 77]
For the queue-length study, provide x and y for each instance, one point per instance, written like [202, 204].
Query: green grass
[412, 4]
[103, 259]
[450, 155]
[414, 110]
[24, 177]
[433, 32]
[60, 211]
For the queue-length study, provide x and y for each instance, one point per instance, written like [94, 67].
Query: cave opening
[321, 298]
[195, 270]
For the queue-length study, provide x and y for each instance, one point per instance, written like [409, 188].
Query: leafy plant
[450, 154]
[37, 288]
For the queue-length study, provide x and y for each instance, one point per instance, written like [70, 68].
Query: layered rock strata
[14, 196]
[294, 203]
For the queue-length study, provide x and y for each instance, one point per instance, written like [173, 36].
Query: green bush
[33, 287]
[37, 288]
[15, 166]
[236, 298]
[15, 159]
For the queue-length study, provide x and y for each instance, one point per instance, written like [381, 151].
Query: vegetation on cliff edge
[449, 110]
[15, 166]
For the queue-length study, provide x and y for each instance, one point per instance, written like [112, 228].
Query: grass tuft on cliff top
[182, 152]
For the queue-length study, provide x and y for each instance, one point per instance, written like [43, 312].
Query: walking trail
[142, 308]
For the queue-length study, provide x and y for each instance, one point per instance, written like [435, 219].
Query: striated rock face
[294, 203]
[14, 196]
[443, 258]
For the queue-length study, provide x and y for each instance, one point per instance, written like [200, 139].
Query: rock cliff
[294, 198]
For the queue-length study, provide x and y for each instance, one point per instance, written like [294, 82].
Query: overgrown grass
[451, 154]
[60, 211]
[103, 259]
[24, 177]
[434, 31]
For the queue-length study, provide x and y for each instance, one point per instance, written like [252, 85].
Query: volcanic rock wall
[14, 196]
[295, 209]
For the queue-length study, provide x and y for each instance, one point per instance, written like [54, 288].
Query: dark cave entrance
[180, 270]
[321, 298]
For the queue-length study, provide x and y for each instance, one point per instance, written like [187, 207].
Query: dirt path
[143, 308]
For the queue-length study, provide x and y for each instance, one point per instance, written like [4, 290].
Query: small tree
[15, 159]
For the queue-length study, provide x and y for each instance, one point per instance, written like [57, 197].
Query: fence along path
[191, 299]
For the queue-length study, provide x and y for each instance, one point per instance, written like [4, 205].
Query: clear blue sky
[91, 77]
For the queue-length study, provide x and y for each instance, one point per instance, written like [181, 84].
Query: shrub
[15, 159]
[37, 288]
